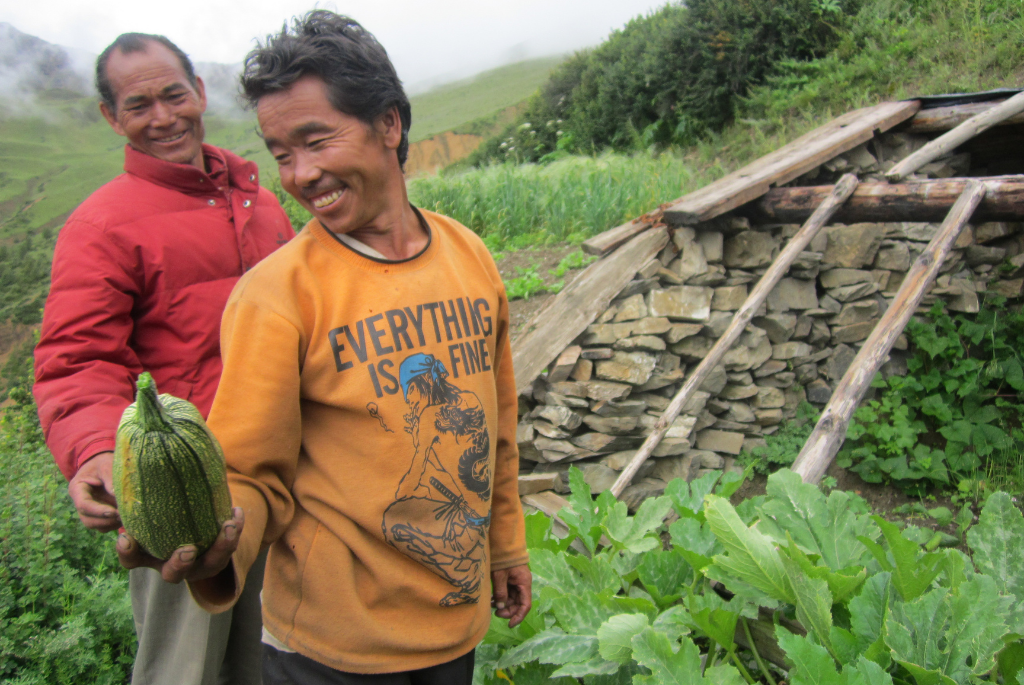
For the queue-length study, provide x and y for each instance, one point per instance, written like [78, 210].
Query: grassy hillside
[450, 106]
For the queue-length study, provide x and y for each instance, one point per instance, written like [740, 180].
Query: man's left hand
[512, 594]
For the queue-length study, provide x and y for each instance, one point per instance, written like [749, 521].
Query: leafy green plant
[65, 614]
[527, 284]
[573, 260]
[957, 409]
[784, 445]
[848, 598]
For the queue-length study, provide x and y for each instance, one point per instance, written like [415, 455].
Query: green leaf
[539, 535]
[730, 483]
[616, 634]
[598, 665]
[841, 585]
[812, 664]
[996, 542]
[911, 574]
[826, 527]
[752, 558]
[597, 572]
[636, 533]
[695, 542]
[711, 615]
[924, 676]
[1011, 661]
[581, 613]
[954, 634]
[867, 618]
[664, 574]
[550, 569]
[688, 498]
[674, 622]
[813, 602]
[551, 646]
[581, 514]
[653, 650]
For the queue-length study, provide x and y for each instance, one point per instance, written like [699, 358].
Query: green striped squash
[170, 480]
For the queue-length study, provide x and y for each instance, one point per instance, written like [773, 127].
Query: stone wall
[602, 396]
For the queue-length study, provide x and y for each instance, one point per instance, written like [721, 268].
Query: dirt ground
[544, 259]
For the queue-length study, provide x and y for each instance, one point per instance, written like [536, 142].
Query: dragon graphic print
[441, 510]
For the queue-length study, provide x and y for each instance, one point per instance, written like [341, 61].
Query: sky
[429, 42]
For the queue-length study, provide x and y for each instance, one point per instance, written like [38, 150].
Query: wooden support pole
[880, 202]
[843, 189]
[826, 439]
[948, 142]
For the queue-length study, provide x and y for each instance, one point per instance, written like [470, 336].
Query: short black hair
[361, 80]
[135, 42]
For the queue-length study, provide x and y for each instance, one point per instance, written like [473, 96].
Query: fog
[429, 42]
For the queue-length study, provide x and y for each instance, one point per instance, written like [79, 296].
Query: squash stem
[147, 405]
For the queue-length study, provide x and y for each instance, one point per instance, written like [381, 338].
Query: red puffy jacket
[141, 273]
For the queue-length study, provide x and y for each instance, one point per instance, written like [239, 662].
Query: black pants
[286, 668]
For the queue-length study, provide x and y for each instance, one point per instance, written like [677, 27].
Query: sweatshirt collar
[241, 174]
[333, 244]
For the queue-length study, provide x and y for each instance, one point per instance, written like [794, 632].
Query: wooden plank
[828, 435]
[882, 202]
[605, 242]
[548, 501]
[551, 503]
[941, 119]
[578, 304]
[843, 189]
[948, 142]
[788, 162]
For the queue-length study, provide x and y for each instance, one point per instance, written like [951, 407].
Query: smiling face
[341, 169]
[158, 110]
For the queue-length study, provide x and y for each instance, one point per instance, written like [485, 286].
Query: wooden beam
[603, 243]
[880, 202]
[843, 189]
[948, 142]
[941, 119]
[578, 304]
[828, 435]
[788, 162]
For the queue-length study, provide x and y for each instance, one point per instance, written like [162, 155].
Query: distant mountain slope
[450, 106]
[30, 65]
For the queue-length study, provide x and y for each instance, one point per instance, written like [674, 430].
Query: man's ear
[389, 127]
[201, 90]
[111, 119]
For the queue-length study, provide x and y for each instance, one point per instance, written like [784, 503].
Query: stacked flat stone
[599, 400]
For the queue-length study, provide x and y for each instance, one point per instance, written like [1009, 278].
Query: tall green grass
[513, 207]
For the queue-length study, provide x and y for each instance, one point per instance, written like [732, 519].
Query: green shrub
[784, 445]
[959, 407]
[65, 614]
[668, 77]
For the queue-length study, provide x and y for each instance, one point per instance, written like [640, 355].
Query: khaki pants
[180, 644]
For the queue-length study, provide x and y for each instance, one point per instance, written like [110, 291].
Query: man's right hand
[92, 491]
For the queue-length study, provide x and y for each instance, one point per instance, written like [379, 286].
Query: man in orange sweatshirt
[367, 407]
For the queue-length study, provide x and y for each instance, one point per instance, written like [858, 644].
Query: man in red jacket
[141, 272]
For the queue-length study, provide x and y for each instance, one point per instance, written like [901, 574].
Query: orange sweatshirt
[367, 411]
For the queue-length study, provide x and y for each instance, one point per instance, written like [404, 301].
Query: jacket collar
[242, 174]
